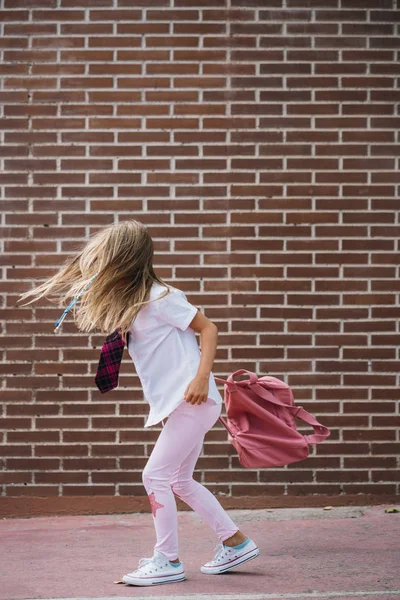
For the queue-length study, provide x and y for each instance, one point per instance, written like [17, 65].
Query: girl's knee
[183, 488]
[147, 477]
[152, 480]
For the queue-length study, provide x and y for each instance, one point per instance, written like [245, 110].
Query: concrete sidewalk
[346, 553]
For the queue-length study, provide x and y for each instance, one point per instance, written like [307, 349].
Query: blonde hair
[121, 255]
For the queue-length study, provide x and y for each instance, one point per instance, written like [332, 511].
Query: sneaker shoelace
[219, 549]
[145, 561]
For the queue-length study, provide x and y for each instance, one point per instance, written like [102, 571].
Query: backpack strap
[224, 423]
[297, 411]
[222, 380]
[253, 378]
[230, 384]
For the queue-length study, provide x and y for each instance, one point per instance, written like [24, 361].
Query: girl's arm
[197, 390]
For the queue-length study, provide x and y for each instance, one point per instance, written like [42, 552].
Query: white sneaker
[155, 571]
[228, 558]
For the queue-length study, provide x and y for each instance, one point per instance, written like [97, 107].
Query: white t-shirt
[165, 351]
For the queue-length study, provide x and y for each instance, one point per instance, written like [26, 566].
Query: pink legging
[169, 471]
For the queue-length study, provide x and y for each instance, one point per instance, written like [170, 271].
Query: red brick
[172, 95]
[384, 42]
[29, 82]
[30, 165]
[173, 15]
[30, 55]
[25, 29]
[14, 150]
[143, 164]
[235, 14]
[143, 82]
[234, 177]
[341, 15]
[285, 42]
[58, 69]
[86, 28]
[139, 137]
[114, 123]
[200, 163]
[56, 96]
[116, 150]
[199, 28]
[201, 136]
[28, 110]
[312, 28]
[368, 82]
[115, 41]
[143, 109]
[313, 55]
[172, 69]
[87, 192]
[285, 122]
[172, 150]
[87, 137]
[223, 95]
[340, 69]
[256, 82]
[58, 42]
[114, 96]
[229, 41]
[199, 109]
[200, 82]
[172, 41]
[184, 191]
[257, 55]
[86, 110]
[58, 123]
[16, 97]
[82, 164]
[13, 69]
[118, 15]
[368, 136]
[286, 69]
[13, 42]
[58, 15]
[312, 109]
[86, 55]
[173, 178]
[285, 149]
[88, 82]
[14, 15]
[340, 42]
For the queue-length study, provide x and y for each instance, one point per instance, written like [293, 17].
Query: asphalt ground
[346, 553]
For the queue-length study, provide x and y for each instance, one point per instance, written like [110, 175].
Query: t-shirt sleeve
[176, 310]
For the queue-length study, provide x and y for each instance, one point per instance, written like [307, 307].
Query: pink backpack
[260, 421]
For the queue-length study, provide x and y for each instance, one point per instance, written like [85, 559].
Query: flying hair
[111, 276]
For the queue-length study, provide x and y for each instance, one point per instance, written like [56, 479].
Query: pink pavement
[351, 553]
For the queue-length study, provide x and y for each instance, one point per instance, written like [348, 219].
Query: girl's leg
[183, 432]
[199, 498]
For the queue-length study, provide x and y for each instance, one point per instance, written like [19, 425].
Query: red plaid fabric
[110, 361]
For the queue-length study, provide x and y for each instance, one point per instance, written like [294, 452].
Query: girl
[124, 292]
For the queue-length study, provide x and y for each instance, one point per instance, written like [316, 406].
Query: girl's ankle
[236, 541]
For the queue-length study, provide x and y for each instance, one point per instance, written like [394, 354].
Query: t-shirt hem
[189, 319]
[165, 415]
[217, 399]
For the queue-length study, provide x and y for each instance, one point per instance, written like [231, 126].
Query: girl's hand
[197, 390]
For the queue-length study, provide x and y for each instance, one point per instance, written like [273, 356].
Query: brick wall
[258, 139]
